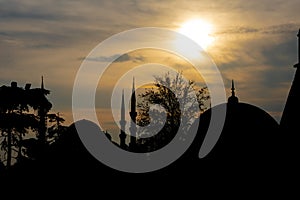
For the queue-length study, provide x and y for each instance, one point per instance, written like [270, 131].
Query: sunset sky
[252, 42]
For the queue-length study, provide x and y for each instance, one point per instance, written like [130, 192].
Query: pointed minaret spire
[133, 87]
[133, 115]
[232, 88]
[123, 107]
[298, 64]
[290, 120]
[233, 99]
[122, 124]
[42, 84]
[133, 98]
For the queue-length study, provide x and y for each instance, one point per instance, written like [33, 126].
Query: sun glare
[199, 31]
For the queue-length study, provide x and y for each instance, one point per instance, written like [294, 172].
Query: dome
[249, 134]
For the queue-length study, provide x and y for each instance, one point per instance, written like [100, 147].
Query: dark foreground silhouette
[250, 156]
[244, 150]
[253, 153]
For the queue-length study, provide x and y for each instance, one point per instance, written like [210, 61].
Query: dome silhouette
[248, 130]
[249, 136]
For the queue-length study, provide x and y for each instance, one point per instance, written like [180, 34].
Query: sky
[254, 42]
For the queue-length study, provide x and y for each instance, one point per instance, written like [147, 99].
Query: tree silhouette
[174, 95]
[56, 129]
[17, 119]
[37, 100]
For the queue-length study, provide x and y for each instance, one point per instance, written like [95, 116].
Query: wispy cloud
[117, 58]
[287, 28]
[238, 30]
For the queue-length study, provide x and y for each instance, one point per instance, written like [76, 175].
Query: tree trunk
[20, 147]
[9, 150]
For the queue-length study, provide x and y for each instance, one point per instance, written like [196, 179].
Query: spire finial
[133, 98]
[42, 84]
[232, 88]
[123, 124]
[232, 100]
[133, 114]
[122, 107]
[133, 87]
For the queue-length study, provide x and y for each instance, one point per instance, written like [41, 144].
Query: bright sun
[199, 31]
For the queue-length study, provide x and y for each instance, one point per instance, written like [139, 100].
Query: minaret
[133, 115]
[290, 120]
[232, 99]
[122, 124]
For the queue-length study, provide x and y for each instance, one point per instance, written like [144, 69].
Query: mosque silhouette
[247, 128]
[252, 143]
[251, 140]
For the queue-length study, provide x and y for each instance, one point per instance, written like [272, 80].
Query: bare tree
[182, 102]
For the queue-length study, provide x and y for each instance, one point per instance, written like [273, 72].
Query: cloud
[27, 15]
[32, 9]
[238, 30]
[288, 28]
[117, 58]
[261, 61]
[283, 54]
